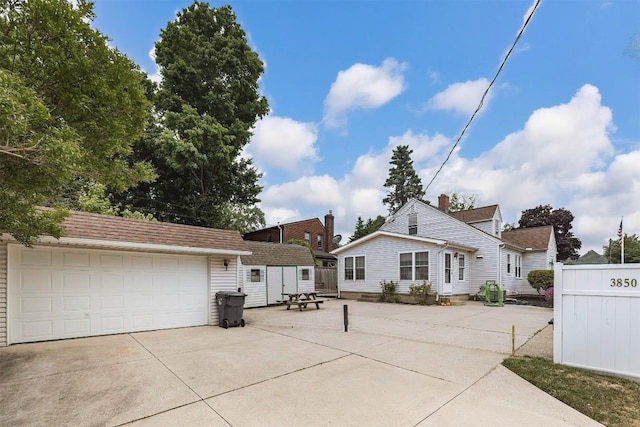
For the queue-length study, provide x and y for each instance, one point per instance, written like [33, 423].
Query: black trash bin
[230, 306]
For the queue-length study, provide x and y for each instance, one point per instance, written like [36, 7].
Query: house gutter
[111, 244]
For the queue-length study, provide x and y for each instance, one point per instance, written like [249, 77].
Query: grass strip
[612, 401]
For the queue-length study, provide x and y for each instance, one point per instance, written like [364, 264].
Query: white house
[456, 252]
[114, 275]
[273, 269]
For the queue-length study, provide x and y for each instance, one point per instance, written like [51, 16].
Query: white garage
[114, 275]
[68, 292]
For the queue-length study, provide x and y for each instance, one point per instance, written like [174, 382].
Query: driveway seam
[179, 379]
[457, 395]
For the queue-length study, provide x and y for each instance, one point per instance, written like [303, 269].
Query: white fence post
[557, 313]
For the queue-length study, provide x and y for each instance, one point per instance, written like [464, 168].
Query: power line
[484, 95]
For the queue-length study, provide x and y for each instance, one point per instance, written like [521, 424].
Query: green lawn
[612, 401]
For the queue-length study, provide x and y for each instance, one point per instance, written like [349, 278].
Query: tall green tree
[71, 108]
[613, 250]
[207, 103]
[561, 219]
[461, 202]
[364, 228]
[403, 180]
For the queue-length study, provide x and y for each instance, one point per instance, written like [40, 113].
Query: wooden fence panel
[326, 279]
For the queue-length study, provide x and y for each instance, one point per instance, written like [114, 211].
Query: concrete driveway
[399, 365]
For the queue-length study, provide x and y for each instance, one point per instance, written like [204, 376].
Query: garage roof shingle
[266, 253]
[84, 225]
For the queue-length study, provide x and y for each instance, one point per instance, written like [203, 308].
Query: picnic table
[302, 299]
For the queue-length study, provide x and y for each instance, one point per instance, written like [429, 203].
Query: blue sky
[347, 81]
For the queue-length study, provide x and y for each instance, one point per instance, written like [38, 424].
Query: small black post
[346, 317]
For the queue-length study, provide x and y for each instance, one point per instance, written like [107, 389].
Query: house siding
[306, 285]
[378, 252]
[439, 225]
[486, 226]
[221, 279]
[509, 280]
[3, 294]
[256, 291]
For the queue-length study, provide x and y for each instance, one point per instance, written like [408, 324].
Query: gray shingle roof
[84, 225]
[484, 213]
[536, 238]
[266, 253]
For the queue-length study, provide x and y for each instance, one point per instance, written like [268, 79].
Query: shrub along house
[456, 252]
[114, 275]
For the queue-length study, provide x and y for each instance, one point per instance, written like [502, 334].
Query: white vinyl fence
[597, 317]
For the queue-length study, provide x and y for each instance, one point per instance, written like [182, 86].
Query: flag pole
[621, 242]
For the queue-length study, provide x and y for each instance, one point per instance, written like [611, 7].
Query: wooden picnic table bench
[303, 299]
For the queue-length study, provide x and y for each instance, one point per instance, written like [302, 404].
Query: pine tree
[403, 180]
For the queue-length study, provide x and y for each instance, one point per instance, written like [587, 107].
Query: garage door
[65, 292]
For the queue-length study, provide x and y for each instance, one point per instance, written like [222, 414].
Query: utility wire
[484, 95]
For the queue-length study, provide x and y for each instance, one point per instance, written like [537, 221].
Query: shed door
[71, 292]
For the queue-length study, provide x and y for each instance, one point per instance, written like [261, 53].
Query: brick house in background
[319, 236]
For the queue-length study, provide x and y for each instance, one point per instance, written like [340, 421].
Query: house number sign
[619, 282]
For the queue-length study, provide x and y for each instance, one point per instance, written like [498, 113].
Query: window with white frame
[414, 266]
[518, 266]
[422, 266]
[406, 266]
[255, 275]
[496, 227]
[508, 263]
[319, 241]
[354, 267]
[461, 266]
[413, 223]
[307, 236]
[359, 268]
[305, 274]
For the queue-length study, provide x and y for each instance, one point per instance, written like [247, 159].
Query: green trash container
[230, 306]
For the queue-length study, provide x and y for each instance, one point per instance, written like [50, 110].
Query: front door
[447, 287]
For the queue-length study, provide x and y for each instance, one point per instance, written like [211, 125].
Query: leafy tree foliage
[508, 226]
[70, 107]
[207, 104]
[403, 180]
[561, 219]
[362, 228]
[461, 202]
[613, 251]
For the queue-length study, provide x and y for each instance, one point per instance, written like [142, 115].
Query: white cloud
[284, 143]
[155, 77]
[462, 97]
[362, 86]
[562, 156]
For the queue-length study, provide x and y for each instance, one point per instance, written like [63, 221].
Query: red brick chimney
[328, 233]
[443, 202]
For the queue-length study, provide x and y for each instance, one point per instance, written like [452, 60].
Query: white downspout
[500, 247]
[280, 228]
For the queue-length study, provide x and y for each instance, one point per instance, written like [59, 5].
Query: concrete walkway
[398, 365]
